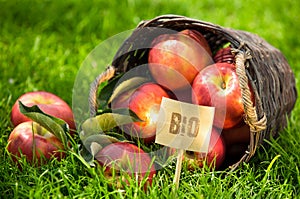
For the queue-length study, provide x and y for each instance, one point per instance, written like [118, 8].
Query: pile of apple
[36, 140]
[184, 68]
[30, 139]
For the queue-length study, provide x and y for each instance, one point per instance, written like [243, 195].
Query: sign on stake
[184, 126]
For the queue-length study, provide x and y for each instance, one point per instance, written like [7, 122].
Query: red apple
[48, 103]
[182, 95]
[224, 55]
[126, 157]
[217, 85]
[175, 59]
[215, 156]
[237, 134]
[35, 142]
[122, 100]
[145, 103]
[198, 37]
[236, 140]
[234, 152]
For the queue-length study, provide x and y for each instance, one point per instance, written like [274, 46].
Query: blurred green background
[51, 38]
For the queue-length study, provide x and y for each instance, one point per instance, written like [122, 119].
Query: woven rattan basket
[257, 62]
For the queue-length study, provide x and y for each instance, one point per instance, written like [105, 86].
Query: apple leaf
[107, 121]
[117, 135]
[95, 148]
[225, 45]
[122, 111]
[93, 144]
[93, 129]
[101, 139]
[106, 91]
[126, 85]
[54, 125]
[86, 156]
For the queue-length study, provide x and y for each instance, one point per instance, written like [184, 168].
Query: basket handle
[106, 75]
[251, 119]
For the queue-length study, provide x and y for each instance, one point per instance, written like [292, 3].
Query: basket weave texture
[258, 63]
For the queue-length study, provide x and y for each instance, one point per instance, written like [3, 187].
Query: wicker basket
[257, 62]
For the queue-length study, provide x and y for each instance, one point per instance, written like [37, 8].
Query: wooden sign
[184, 126]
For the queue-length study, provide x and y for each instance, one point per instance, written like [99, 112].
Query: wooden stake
[178, 167]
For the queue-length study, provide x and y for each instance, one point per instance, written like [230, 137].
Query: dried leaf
[108, 121]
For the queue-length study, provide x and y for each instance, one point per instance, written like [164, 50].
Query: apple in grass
[36, 143]
[217, 85]
[124, 157]
[48, 103]
[215, 156]
[175, 59]
[145, 102]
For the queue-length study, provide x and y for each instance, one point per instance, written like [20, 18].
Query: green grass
[42, 45]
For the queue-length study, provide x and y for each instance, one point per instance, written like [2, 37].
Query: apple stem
[223, 85]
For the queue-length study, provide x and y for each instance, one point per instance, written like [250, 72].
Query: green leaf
[119, 136]
[225, 45]
[122, 111]
[85, 156]
[108, 121]
[101, 139]
[93, 144]
[126, 85]
[106, 91]
[54, 125]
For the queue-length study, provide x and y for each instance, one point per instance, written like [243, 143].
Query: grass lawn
[42, 46]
